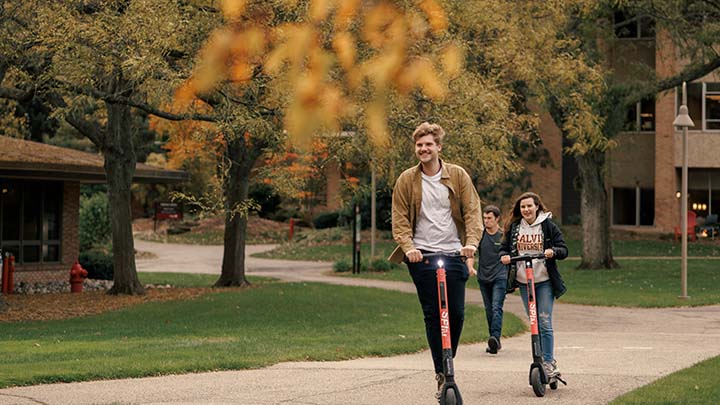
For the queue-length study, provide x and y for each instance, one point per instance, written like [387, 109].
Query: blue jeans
[423, 275]
[493, 295]
[544, 300]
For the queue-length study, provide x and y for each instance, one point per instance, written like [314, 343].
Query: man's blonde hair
[427, 128]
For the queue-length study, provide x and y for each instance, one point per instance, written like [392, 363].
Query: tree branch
[16, 94]
[690, 73]
[118, 99]
[161, 113]
[89, 129]
[265, 111]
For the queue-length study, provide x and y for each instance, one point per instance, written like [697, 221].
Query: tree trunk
[597, 251]
[119, 153]
[241, 161]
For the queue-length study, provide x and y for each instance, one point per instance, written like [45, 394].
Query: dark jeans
[493, 295]
[423, 275]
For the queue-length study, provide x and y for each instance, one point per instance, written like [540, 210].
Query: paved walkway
[603, 352]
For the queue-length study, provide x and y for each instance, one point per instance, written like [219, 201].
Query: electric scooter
[538, 378]
[449, 392]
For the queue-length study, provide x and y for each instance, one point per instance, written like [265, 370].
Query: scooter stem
[444, 322]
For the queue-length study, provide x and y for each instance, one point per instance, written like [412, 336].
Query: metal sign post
[357, 226]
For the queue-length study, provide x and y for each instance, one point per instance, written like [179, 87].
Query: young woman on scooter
[531, 230]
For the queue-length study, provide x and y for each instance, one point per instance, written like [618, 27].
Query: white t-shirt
[435, 230]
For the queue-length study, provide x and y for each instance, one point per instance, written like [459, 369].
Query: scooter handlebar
[446, 254]
[520, 258]
[440, 254]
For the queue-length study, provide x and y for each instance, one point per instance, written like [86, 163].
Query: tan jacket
[406, 199]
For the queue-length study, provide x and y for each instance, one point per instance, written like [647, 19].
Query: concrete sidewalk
[603, 352]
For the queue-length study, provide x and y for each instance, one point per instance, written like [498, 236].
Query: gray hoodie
[530, 240]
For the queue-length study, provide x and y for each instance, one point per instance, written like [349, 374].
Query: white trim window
[630, 26]
[641, 117]
[711, 112]
[703, 102]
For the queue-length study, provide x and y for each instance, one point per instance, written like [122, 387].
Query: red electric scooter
[538, 378]
[449, 392]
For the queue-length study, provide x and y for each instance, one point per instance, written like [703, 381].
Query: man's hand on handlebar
[414, 256]
[505, 259]
[549, 253]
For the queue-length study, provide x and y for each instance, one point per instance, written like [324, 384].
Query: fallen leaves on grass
[43, 307]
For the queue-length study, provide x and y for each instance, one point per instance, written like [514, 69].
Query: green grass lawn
[333, 252]
[694, 385]
[642, 283]
[652, 247]
[638, 283]
[209, 237]
[326, 252]
[238, 329]
[188, 279]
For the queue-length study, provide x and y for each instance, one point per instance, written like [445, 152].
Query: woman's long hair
[516, 216]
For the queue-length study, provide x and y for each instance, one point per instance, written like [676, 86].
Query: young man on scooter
[435, 208]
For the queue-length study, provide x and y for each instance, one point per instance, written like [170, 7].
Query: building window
[633, 27]
[703, 102]
[30, 226]
[712, 106]
[641, 116]
[633, 206]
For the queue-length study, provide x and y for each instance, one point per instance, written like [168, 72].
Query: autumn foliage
[330, 59]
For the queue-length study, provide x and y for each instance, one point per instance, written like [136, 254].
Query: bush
[98, 263]
[267, 198]
[326, 220]
[284, 214]
[381, 265]
[342, 266]
[178, 229]
[94, 221]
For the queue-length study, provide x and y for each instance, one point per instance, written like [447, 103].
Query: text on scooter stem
[533, 314]
[444, 324]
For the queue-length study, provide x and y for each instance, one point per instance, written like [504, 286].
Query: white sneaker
[551, 368]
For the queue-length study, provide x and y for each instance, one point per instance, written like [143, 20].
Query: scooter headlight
[440, 263]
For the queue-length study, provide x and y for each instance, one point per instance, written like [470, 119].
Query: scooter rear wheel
[536, 381]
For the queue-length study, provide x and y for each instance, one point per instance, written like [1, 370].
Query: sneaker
[440, 378]
[493, 345]
[551, 368]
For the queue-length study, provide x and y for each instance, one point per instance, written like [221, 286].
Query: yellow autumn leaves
[331, 59]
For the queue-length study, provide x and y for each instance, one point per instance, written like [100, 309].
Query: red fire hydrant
[77, 276]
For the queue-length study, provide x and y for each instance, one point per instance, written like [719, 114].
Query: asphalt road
[602, 351]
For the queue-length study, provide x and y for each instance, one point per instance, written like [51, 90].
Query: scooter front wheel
[450, 397]
[536, 381]
[554, 385]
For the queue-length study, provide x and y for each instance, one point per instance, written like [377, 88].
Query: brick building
[644, 170]
[40, 200]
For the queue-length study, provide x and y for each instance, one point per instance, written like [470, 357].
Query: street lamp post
[683, 121]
